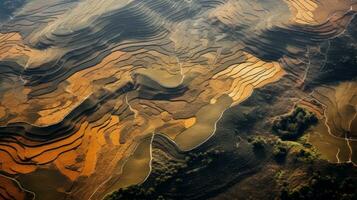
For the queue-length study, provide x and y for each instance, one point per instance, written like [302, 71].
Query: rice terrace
[178, 99]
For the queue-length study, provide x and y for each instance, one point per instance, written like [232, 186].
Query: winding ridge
[84, 84]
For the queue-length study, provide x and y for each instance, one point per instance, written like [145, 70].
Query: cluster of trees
[324, 186]
[257, 142]
[132, 193]
[294, 125]
[163, 178]
[151, 189]
[280, 151]
[205, 158]
[305, 156]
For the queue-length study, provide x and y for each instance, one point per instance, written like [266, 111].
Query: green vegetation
[294, 151]
[258, 142]
[305, 155]
[324, 185]
[294, 125]
[168, 177]
[280, 174]
[280, 151]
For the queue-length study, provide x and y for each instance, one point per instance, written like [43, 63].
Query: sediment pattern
[86, 84]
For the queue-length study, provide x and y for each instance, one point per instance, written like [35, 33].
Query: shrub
[279, 152]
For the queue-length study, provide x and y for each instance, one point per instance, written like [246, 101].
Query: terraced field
[86, 86]
[336, 137]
